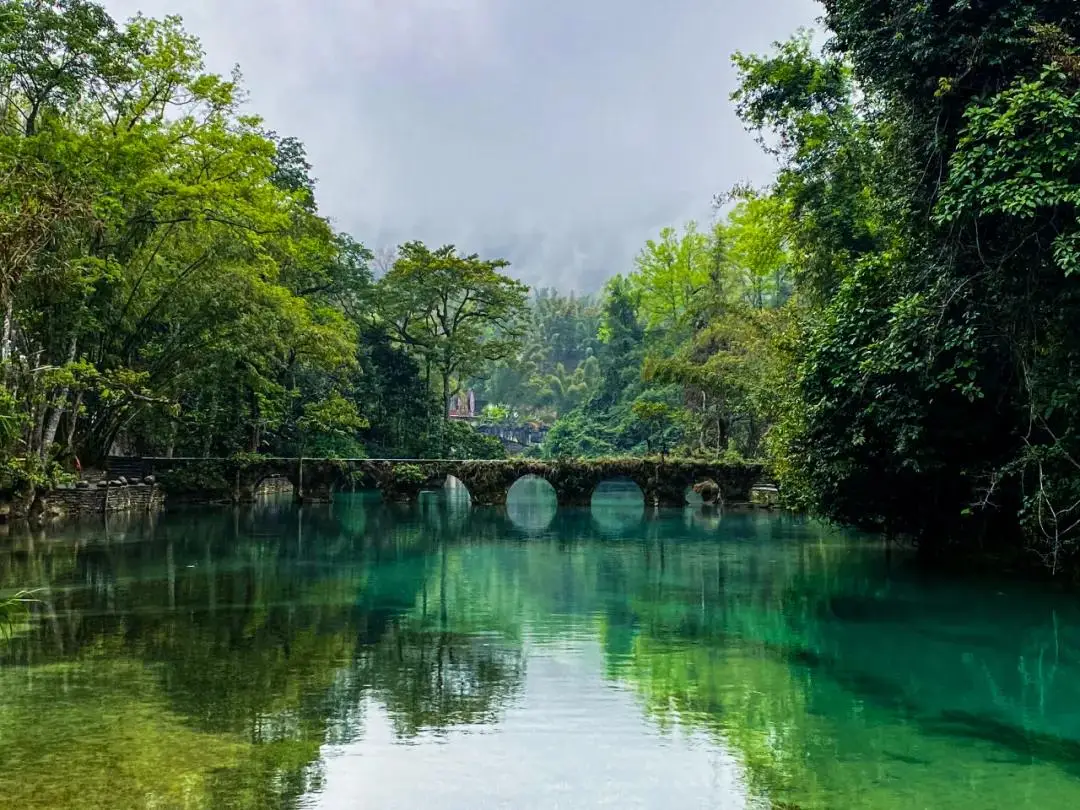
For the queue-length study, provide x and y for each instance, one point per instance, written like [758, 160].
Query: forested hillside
[682, 355]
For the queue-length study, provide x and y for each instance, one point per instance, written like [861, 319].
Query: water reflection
[531, 505]
[454, 491]
[434, 655]
[618, 507]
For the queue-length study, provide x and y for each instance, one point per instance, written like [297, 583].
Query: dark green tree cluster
[167, 284]
[930, 161]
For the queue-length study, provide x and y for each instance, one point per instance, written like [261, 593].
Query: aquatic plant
[14, 610]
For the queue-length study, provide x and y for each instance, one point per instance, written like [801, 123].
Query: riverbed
[370, 655]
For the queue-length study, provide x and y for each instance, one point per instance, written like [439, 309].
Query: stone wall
[663, 482]
[275, 485]
[82, 500]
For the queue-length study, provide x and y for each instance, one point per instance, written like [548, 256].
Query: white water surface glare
[571, 739]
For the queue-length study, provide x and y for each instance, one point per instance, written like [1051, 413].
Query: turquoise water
[364, 655]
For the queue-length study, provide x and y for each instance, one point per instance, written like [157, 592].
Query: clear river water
[428, 657]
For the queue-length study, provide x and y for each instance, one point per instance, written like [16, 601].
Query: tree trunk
[38, 430]
[73, 422]
[5, 335]
[53, 424]
[171, 447]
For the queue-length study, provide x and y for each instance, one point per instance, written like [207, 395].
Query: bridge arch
[257, 486]
[530, 483]
[248, 478]
[618, 505]
[531, 504]
[455, 490]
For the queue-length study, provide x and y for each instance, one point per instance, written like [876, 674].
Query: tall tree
[164, 281]
[934, 232]
[670, 272]
[457, 312]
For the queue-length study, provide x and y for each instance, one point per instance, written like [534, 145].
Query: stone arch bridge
[236, 480]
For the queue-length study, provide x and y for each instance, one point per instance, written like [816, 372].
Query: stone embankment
[116, 495]
[87, 498]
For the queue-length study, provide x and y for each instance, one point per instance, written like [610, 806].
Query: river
[363, 655]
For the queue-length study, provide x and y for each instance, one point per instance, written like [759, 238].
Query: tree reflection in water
[214, 654]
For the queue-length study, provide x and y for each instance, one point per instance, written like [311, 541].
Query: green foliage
[403, 411]
[670, 273]
[658, 420]
[622, 336]
[555, 369]
[456, 312]
[408, 474]
[693, 345]
[563, 390]
[1018, 158]
[331, 425]
[495, 414]
[212, 478]
[460, 440]
[579, 434]
[928, 174]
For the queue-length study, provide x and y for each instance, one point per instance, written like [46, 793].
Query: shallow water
[370, 656]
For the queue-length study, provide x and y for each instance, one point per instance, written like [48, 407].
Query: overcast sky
[559, 134]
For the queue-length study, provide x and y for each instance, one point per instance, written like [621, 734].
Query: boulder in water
[709, 491]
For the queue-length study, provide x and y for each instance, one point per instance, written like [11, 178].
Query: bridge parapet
[236, 480]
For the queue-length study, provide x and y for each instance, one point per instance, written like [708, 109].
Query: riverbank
[84, 499]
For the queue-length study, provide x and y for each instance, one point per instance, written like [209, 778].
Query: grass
[14, 610]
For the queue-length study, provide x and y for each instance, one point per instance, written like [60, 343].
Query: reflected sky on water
[366, 655]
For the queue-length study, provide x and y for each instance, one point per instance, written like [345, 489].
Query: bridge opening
[445, 507]
[618, 505]
[455, 492]
[531, 504]
[693, 498]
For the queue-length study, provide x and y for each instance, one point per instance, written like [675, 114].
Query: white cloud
[558, 133]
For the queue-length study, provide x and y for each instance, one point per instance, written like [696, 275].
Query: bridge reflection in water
[282, 657]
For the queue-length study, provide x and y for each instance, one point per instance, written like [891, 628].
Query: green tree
[670, 273]
[757, 250]
[165, 283]
[932, 228]
[457, 312]
[658, 419]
